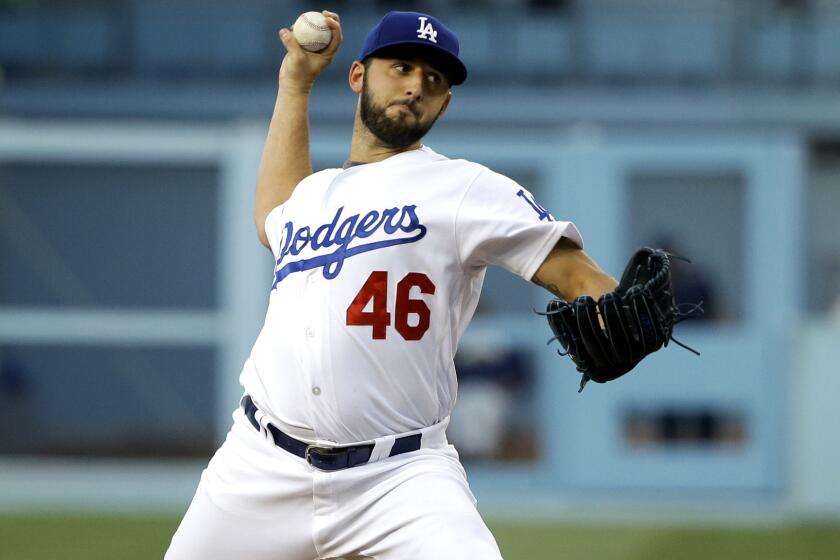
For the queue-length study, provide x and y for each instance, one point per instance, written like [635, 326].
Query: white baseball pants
[256, 501]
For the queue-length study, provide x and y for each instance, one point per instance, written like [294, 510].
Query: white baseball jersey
[378, 272]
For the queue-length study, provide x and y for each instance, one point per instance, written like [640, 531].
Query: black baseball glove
[608, 337]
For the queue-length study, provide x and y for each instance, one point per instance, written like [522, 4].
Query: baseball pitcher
[338, 447]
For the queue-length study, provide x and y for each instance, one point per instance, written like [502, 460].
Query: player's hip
[251, 475]
[327, 455]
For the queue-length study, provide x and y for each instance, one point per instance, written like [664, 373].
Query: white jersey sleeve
[498, 222]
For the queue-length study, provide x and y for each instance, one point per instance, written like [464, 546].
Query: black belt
[327, 458]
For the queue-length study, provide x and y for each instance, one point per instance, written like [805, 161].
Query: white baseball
[312, 32]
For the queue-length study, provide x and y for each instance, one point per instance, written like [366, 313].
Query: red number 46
[375, 290]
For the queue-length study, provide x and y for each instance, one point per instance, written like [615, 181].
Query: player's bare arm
[568, 272]
[285, 159]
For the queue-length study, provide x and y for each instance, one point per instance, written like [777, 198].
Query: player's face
[401, 99]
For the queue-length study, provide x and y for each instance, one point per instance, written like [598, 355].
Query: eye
[435, 78]
[402, 67]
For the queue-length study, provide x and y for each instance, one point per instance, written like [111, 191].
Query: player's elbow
[259, 223]
[263, 239]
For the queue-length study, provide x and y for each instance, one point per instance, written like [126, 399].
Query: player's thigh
[444, 535]
[208, 532]
[254, 501]
[426, 511]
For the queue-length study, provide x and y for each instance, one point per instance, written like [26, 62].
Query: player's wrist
[296, 88]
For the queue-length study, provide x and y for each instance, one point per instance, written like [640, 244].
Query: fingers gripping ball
[607, 338]
[312, 32]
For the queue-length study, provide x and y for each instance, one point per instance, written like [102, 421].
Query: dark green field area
[136, 538]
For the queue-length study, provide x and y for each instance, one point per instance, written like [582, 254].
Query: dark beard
[393, 133]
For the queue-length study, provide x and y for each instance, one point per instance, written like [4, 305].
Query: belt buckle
[306, 455]
[326, 452]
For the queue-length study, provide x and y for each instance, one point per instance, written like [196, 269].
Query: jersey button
[316, 391]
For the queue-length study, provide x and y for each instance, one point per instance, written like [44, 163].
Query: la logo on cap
[426, 31]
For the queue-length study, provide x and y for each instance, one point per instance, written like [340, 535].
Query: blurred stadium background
[132, 284]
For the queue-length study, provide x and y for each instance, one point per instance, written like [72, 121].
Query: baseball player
[338, 447]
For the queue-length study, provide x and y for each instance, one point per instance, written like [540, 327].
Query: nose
[414, 84]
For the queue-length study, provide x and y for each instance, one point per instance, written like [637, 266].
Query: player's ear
[356, 76]
[445, 103]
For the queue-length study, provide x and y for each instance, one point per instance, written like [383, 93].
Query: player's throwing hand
[300, 67]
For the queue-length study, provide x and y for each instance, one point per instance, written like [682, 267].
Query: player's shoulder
[322, 176]
[453, 167]
[478, 170]
[429, 155]
[308, 187]
[473, 177]
[314, 183]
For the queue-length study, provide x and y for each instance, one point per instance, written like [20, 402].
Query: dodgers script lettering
[399, 226]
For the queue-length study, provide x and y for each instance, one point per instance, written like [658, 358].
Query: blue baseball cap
[419, 33]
